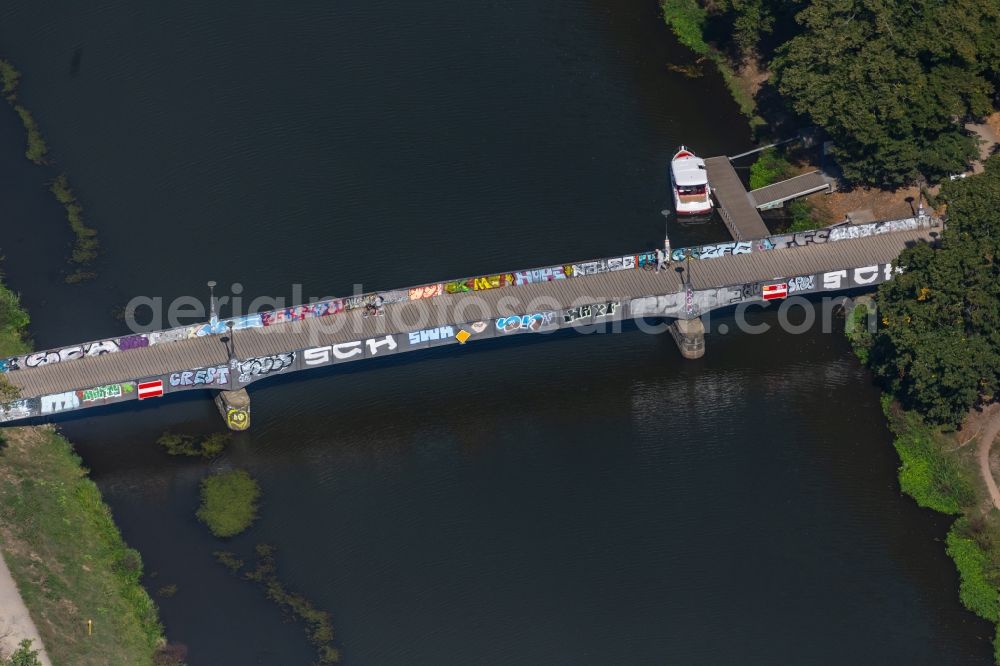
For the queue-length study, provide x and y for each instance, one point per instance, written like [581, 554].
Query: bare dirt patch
[883, 204]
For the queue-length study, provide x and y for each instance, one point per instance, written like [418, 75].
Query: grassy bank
[941, 475]
[687, 20]
[68, 558]
[62, 546]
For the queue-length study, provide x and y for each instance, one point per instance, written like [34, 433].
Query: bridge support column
[689, 334]
[235, 408]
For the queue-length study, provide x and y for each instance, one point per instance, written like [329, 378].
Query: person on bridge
[661, 260]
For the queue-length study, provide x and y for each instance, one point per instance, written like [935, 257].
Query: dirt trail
[986, 438]
[15, 623]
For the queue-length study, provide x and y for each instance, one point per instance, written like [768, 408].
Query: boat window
[694, 189]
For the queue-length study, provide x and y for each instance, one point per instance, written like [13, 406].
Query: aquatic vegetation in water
[190, 445]
[319, 626]
[86, 245]
[228, 502]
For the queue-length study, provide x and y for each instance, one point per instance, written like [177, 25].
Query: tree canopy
[889, 81]
[938, 348]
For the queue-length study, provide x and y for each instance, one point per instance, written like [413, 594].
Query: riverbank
[940, 472]
[62, 547]
[935, 354]
[686, 19]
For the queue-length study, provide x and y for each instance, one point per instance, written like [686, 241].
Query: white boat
[692, 193]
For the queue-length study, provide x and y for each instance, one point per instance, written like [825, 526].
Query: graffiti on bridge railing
[328, 307]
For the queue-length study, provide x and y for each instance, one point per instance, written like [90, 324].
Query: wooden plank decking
[807, 183]
[735, 207]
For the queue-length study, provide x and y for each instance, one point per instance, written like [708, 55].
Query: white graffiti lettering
[374, 344]
[861, 278]
[59, 402]
[264, 365]
[834, 279]
[439, 333]
[802, 284]
[19, 409]
[207, 376]
[530, 322]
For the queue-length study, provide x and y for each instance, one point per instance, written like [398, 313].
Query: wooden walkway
[774, 195]
[735, 207]
[805, 255]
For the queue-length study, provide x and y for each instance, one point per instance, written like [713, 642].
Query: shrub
[927, 474]
[801, 213]
[22, 656]
[687, 20]
[769, 168]
[978, 594]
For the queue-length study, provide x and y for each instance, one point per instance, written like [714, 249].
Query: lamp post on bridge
[690, 309]
[921, 215]
[666, 233]
[230, 342]
[212, 317]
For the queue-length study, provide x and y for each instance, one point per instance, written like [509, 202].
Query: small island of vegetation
[228, 502]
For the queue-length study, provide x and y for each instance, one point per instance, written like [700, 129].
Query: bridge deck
[465, 307]
[807, 183]
[739, 214]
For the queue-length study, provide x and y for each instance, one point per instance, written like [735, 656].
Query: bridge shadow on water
[721, 321]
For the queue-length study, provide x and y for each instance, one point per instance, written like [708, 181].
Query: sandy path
[985, 444]
[989, 135]
[14, 619]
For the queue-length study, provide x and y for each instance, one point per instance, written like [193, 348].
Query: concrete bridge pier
[235, 408]
[689, 334]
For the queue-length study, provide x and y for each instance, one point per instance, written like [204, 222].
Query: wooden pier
[734, 205]
[773, 196]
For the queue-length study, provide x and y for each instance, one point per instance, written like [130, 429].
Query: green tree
[888, 79]
[938, 349]
[750, 20]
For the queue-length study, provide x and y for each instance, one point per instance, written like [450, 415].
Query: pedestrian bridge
[229, 354]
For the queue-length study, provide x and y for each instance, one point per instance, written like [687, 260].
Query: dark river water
[562, 500]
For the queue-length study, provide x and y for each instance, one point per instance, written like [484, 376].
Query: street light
[232, 340]
[920, 199]
[666, 233]
[211, 299]
[689, 307]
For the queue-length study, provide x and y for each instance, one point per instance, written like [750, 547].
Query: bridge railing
[637, 261]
